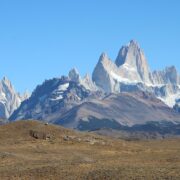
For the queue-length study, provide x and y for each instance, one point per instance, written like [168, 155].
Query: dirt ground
[57, 153]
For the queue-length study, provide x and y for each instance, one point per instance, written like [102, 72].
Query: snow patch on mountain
[63, 87]
[170, 100]
[122, 79]
[86, 81]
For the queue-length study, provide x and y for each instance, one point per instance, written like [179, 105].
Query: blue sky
[41, 39]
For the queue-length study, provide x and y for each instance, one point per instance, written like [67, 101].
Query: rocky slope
[117, 111]
[53, 98]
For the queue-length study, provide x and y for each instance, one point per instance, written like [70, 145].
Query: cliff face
[9, 99]
[133, 64]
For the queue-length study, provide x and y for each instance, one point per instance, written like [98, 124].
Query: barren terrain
[34, 150]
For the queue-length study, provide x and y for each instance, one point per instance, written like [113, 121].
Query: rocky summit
[130, 72]
[132, 62]
[9, 98]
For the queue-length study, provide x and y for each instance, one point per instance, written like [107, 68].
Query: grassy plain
[67, 154]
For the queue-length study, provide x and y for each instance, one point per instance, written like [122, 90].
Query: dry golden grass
[83, 155]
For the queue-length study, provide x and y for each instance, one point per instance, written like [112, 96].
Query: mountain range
[121, 93]
[130, 72]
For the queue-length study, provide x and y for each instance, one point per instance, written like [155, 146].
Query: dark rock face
[177, 106]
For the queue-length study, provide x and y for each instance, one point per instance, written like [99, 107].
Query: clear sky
[41, 39]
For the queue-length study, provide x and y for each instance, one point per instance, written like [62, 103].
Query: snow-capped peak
[86, 81]
[6, 82]
[132, 56]
[9, 99]
[130, 68]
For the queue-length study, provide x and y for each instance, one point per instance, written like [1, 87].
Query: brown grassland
[58, 153]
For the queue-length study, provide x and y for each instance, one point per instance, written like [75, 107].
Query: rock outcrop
[133, 64]
[9, 99]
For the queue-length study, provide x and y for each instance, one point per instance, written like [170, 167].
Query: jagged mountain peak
[167, 76]
[74, 75]
[172, 74]
[6, 87]
[86, 81]
[131, 72]
[74, 70]
[134, 43]
[104, 58]
[87, 76]
[132, 59]
[25, 95]
[102, 73]
[9, 98]
[5, 81]
[131, 54]
[131, 49]
[130, 66]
